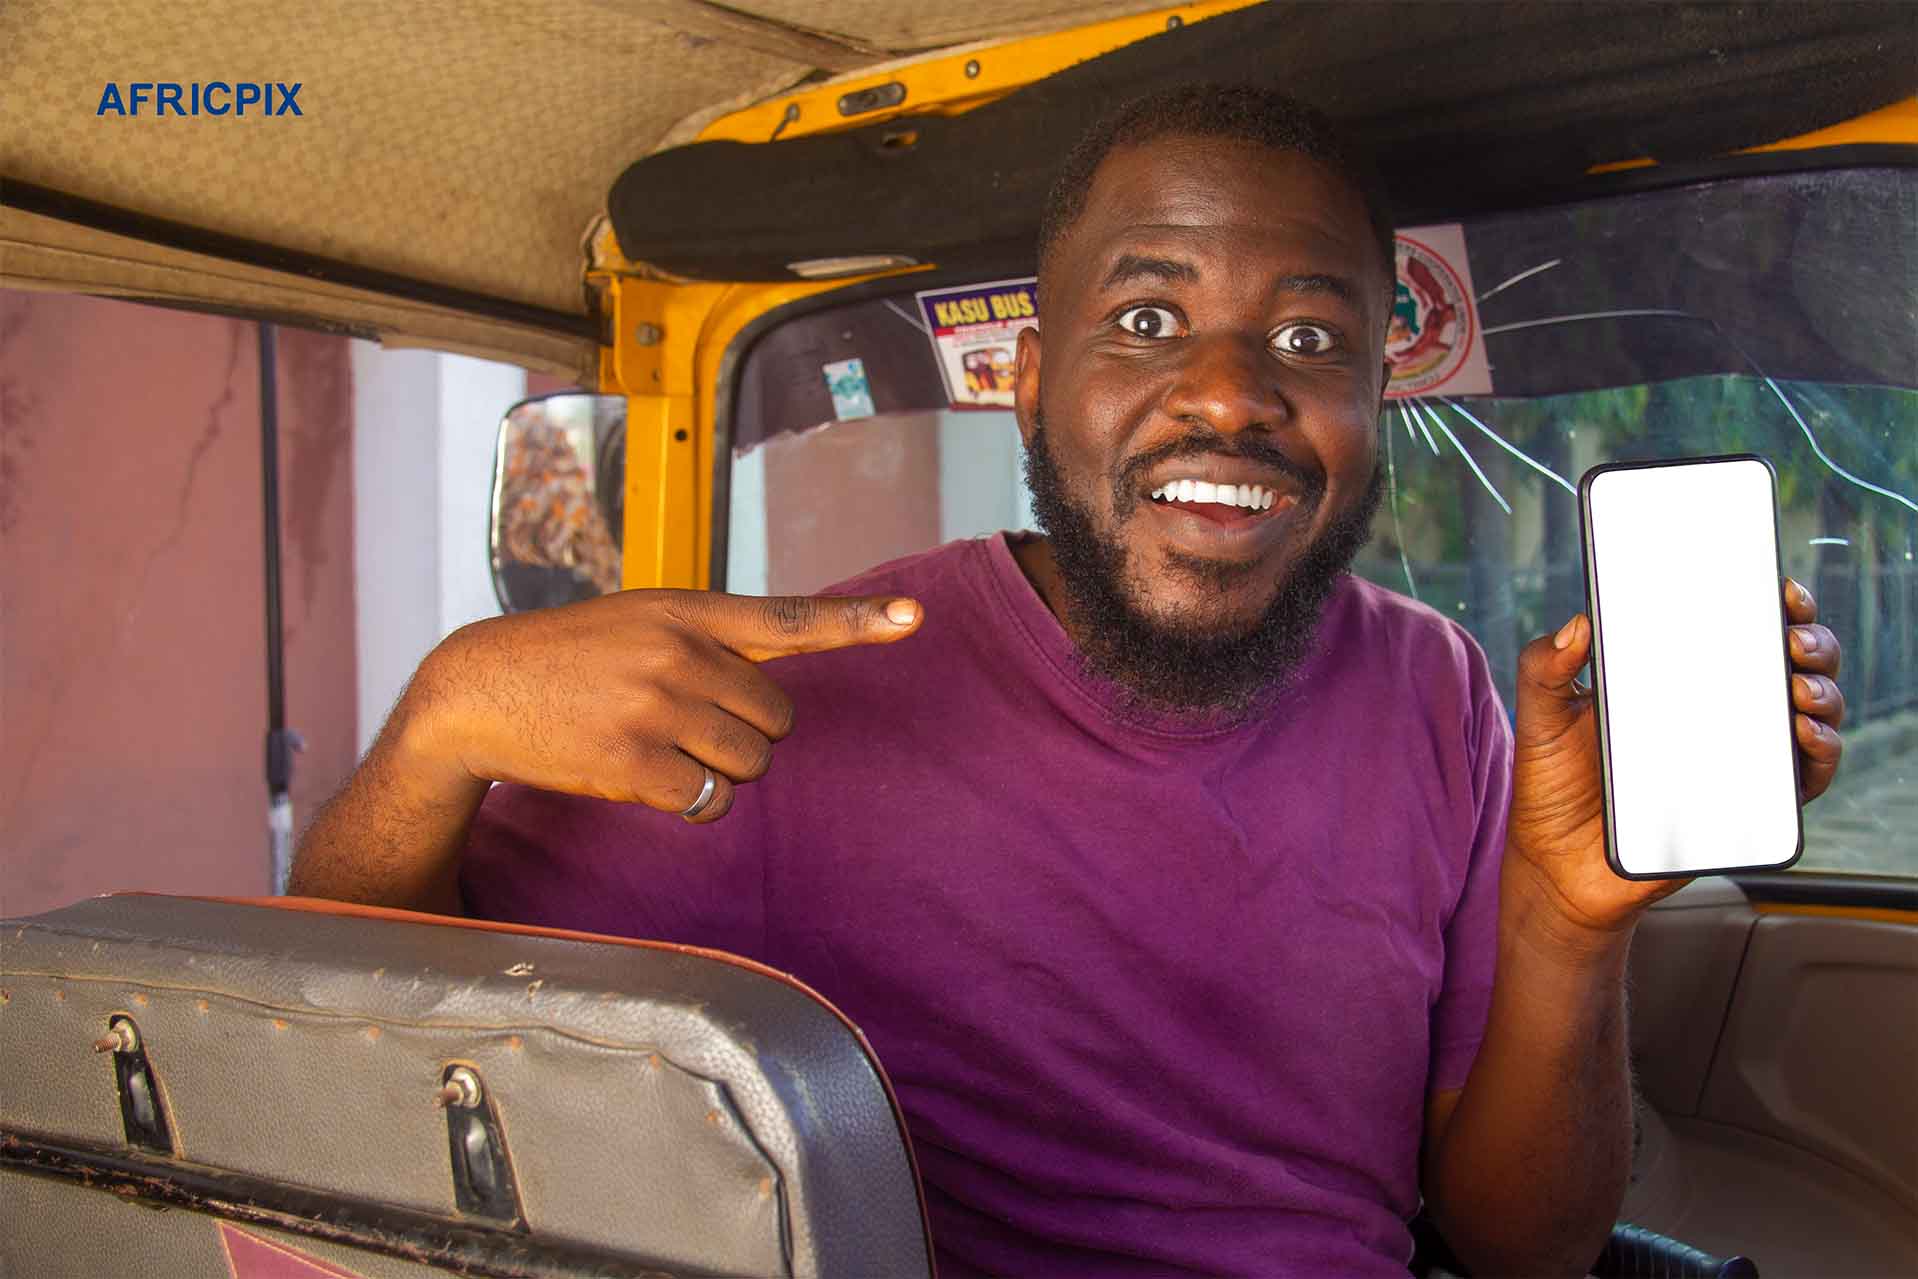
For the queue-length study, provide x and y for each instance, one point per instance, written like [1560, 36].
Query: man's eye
[1149, 322]
[1305, 339]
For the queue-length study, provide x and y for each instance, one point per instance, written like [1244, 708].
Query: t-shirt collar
[1030, 613]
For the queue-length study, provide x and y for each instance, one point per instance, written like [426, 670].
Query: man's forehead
[1188, 181]
[1206, 197]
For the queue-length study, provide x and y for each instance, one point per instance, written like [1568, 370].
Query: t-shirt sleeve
[1471, 935]
[561, 861]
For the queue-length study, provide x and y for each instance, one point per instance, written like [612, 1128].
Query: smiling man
[1200, 902]
[1200, 508]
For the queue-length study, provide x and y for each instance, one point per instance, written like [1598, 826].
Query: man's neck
[1033, 554]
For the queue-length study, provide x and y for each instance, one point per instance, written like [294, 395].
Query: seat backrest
[367, 1092]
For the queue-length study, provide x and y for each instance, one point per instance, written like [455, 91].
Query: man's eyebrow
[1138, 266]
[1337, 285]
[1130, 267]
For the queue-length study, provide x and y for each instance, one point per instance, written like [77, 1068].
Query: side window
[814, 507]
[823, 479]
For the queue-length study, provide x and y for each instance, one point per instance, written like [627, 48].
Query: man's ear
[1025, 383]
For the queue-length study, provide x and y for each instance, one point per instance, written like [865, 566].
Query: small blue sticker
[851, 393]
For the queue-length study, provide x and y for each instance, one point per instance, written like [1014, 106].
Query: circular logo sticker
[1431, 330]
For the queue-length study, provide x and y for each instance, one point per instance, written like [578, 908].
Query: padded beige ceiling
[465, 145]
[889, 24]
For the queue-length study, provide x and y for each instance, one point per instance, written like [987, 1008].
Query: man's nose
[1230, 382]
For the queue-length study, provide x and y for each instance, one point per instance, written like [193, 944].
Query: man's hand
[631, 696]
[1557, 825]
[626, 697]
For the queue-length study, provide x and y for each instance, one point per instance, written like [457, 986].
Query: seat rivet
[121, 1037]
[462, 1089]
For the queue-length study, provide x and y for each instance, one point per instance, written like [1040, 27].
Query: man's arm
[1525, 1167]
[633, 697]
[393, 834]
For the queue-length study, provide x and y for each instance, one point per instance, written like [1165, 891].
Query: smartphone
[1685, 585]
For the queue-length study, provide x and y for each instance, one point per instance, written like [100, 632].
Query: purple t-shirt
[1154, 996]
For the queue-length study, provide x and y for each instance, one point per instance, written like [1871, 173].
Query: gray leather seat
[368, 1092]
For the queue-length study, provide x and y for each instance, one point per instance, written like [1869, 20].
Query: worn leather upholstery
[681, 1109]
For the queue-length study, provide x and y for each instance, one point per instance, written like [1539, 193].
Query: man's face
[1214, 328]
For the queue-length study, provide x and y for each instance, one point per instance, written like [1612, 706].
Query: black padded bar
[1467, 107]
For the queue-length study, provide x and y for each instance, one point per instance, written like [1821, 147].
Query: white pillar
[424, 430]
[982, 486]
[473, 396]
[748, 567]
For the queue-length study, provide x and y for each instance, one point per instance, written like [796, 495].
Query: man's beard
[1189, 664]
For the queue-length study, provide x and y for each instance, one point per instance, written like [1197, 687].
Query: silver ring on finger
[706, 793]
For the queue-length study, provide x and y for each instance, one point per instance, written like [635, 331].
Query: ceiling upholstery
[468, 145]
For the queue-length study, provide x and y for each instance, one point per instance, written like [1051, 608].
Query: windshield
[1481, 522]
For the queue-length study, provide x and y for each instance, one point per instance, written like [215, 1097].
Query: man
[1167, 867]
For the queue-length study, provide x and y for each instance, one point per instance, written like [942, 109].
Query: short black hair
[1236, 112]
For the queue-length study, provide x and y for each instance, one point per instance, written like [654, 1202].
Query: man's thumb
[1548, 700]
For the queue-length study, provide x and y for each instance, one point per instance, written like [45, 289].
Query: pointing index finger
[782, 625]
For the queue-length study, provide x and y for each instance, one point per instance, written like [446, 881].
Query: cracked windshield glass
[1776, 316]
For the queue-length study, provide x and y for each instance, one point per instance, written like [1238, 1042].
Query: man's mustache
[1252, 448]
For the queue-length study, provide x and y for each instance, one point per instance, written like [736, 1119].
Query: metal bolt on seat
[121, 1037]
[462, 1089]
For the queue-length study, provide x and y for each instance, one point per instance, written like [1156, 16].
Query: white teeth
[1252, 497]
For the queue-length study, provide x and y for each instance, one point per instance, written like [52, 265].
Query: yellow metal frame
[1872, 914]
[1895, 123]
[669, 339]
[952, 83]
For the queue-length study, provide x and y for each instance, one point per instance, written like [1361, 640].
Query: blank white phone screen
[1691, 667]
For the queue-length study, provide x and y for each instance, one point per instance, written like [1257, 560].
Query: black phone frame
[1598, 662]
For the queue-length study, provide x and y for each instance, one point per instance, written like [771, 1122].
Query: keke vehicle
[1627, 232]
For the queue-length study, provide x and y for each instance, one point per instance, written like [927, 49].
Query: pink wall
[848, 496]
[132, 635]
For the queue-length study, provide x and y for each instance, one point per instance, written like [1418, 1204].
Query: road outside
[1868, 820]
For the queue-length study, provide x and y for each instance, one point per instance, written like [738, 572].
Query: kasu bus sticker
[975, 333]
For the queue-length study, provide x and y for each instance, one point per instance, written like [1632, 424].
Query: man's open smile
[1245, 497]
[1222, 519]
[1221, 507]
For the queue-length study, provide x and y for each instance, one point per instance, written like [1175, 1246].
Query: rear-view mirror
[557, 517]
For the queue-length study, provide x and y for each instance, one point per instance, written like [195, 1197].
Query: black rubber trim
[1663, 177]
[58, 205]
[1655, 177]
[464, 1247]
[251, 314]
[1829, 888]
